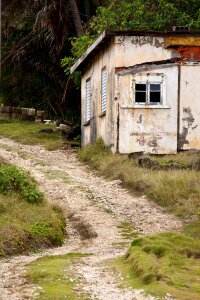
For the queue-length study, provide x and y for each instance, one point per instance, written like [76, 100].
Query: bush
[13, 179]
[45, 232]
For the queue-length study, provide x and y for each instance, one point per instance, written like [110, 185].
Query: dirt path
[95, 208]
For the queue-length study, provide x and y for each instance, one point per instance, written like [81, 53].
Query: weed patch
[52, 274]
[163, 263]
[127, 230]
[13, 179]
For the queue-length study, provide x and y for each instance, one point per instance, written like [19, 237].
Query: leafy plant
[13, 179]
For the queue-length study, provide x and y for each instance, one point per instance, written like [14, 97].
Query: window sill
[86, 123]
[160, 106]
[102, 114]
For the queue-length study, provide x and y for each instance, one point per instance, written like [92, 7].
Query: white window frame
[148, 79]
[88, 100]
[103, 89]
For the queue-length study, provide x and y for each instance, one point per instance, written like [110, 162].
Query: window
[88, 100]
[103, 89]
[148, 89]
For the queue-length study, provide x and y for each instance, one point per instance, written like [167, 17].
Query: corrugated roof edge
[107, 34]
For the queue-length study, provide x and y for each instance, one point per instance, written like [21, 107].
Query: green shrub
[45, 232]
[13, 179]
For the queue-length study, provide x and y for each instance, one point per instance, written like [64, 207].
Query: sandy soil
[95, 208]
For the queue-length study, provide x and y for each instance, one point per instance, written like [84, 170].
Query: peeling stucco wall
[152, 129]
[130, 50]
[128, 129]
[189, 107]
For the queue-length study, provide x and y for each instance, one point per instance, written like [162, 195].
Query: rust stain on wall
[180, 40]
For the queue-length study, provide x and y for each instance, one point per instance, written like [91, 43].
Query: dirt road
[95, 208]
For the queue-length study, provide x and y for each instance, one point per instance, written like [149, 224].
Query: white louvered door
[88, 100]
[103, 89]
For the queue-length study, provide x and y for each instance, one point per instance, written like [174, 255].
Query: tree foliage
[158, 15]
[37, 34]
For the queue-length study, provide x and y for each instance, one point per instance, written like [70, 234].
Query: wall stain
[188, 120]
[153, 143]
[139, 120]
[143, 40]
[141, 140]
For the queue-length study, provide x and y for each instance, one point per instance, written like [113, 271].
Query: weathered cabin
[141, 91]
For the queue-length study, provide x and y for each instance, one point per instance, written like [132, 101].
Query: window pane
[140, 97]
[140, 87]
[155, 97]
[155, 87]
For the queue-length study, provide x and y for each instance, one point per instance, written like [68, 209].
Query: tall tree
[76, 17]
[34, 39]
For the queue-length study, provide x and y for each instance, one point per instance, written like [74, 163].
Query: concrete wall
[151, 129]
[190, 107]
[132, 50]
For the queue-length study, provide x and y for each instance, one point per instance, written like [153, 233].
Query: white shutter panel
[103, 89]
[88, 99]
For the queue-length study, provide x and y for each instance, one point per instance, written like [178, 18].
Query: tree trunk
[76, 17]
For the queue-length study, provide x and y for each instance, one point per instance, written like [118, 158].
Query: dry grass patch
[176, 190]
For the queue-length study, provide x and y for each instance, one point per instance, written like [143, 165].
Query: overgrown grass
[29, 133]
[176, 190]
[163, 263]
[27, 221]
[52, 274]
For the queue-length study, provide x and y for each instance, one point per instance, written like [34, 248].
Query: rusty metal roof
[107, 34]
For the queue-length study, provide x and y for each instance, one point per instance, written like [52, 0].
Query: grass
[178, 190]
[52, 274]
[163, 263]
[29, 133]
[27, 221]
[127, 230]
[57, 174]
[167, 262]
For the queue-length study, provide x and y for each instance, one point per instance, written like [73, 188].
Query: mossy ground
[163, 263]
[52, 274]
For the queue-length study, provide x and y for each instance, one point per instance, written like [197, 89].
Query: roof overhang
[106, 35]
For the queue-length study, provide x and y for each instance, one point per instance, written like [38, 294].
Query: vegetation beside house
[27, 221]
[167, 262]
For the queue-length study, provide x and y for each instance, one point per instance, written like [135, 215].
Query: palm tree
[34, 39]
